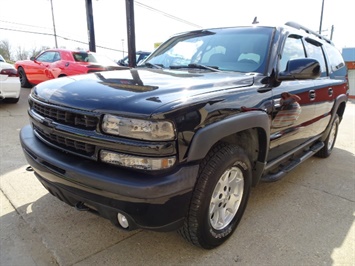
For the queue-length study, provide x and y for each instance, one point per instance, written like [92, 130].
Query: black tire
[23, 78]
[11, 100]
[330, 140]
[213, 195]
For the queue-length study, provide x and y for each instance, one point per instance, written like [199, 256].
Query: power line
[27, 25]
[69, 39]
[27, 31]
[168, 15]
[33, 26]
[62, 37]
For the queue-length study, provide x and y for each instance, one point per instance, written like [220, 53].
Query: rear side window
[335, 58]
[81, 57]
[314, 50]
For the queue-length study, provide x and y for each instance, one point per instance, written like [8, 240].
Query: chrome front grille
[51, 117]
[66, 117]
[66, 143]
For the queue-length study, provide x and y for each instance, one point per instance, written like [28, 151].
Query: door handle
[312, 95]
[330, 91]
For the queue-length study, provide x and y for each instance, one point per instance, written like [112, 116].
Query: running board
[293, 164]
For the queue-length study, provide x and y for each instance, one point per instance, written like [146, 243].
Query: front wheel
[219, 198]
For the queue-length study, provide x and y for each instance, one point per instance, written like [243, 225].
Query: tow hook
[29, 169]
[80, 206]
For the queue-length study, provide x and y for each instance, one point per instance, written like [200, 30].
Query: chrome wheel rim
[332, 136]
[226, 198]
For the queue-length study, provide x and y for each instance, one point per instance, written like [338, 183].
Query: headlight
[138, 129]
[138, 162]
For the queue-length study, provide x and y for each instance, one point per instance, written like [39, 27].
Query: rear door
[323, 93]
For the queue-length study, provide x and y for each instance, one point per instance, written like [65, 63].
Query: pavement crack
[324, 191]
[108, 247]
[30, 229]
[12, 205]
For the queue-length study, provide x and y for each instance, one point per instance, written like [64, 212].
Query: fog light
[138, 162]
[122, 220]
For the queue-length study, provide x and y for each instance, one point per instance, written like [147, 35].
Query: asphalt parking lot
[307, 218]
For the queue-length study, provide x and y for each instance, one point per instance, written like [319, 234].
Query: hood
[141, 90]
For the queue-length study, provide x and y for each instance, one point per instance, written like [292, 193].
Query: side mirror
[32, 58]
[304, 68]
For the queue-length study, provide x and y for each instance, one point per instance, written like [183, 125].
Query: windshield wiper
[212, 68]
[159, 66]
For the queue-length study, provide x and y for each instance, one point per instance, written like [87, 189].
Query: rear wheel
[23, 78]
[219, 198]
[330, 140]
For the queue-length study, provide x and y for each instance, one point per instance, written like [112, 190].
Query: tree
[35, 51]
[5, 49]
[21, 53]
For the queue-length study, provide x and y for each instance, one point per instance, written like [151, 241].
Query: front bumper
[157, 202]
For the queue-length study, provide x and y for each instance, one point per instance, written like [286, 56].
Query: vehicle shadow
[304, 218]
[13, 117]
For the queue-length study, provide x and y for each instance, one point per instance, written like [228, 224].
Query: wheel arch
[249, 130]
[19, 66]
[339, 109]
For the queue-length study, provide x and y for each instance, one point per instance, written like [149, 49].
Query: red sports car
[55, 63]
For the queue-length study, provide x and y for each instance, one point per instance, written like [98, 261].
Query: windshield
[93, 58]
[232, 49]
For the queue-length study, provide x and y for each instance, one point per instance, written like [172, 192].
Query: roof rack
[300, 27]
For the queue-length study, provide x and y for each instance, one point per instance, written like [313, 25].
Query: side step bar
[293, 163]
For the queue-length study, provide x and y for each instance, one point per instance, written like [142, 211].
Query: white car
[10, 85]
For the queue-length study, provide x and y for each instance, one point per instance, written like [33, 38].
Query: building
[349, 58]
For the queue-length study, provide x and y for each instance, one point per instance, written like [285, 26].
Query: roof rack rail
[300, 27]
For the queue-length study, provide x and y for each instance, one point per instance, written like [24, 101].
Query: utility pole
[90, 23]
[331, 33]
[55, 33]
[321, 18]
[131, 36]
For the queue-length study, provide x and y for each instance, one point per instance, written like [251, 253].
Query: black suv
[178, 142]
[140, 57]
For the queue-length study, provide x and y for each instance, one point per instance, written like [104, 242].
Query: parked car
[140, 57]
[10, 86]
[55, 63]
[178, 142]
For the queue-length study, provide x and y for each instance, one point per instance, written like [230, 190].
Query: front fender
[206, 137]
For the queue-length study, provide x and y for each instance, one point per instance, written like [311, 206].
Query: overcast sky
[156, 20]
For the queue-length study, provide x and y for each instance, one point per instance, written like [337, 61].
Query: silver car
[10, 85]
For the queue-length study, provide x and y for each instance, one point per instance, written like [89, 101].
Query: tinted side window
[81, 57]
[335, 58]
[293, 49]
[46, 57]
[314, 50]
[56, 57]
